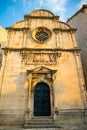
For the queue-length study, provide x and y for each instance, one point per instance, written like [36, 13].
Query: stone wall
[3, 39]
[79, 21]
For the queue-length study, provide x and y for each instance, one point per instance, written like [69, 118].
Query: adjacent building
[79, 21]
[3, 38]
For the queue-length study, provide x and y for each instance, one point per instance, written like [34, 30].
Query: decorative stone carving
[40, 58]
[39, 74]
[56, 111]
[27, 111]
[41, 34]
[27, 116]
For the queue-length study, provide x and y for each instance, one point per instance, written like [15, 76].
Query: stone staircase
[41, 123]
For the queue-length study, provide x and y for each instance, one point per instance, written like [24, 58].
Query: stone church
[41, 77]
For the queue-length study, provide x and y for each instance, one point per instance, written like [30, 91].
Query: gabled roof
[80, 10]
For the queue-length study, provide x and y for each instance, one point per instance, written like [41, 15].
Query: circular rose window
[41, 34]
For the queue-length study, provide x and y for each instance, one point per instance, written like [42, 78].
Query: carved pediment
[41, 69]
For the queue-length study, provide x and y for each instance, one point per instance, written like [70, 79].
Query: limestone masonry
[79, 21]
[41, 76]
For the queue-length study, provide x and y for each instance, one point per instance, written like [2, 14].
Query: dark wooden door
[42, 100]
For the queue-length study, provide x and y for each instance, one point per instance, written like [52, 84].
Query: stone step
[41, 126]
[37, 123]
[40, 118]
[41, 123]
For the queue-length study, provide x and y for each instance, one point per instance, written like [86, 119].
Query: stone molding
[64, 30]
[41, 17]
[42, 49]
[17, 29]
[41, 70]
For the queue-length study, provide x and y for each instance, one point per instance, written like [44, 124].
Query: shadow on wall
[14, 99]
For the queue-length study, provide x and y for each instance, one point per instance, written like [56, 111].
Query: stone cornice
[41, 17]
[17, 29]
[64, 30]
[40, 70]
[42, 49]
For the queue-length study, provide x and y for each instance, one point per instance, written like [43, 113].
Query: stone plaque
[41, 58]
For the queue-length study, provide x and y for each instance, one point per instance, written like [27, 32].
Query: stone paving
[68, 127]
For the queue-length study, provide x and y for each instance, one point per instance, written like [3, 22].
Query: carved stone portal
[35, 76]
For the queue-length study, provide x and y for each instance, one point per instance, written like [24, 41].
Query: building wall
[79, 21]
[14, 95]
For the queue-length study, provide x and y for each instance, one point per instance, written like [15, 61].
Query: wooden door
[42, 105]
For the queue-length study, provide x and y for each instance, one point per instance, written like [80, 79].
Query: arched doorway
[42, 106]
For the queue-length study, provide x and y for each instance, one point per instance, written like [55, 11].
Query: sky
[12, 11]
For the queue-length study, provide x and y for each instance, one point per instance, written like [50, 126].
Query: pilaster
[3, 70]
[28, 111]
[57, 39]
[81, 78]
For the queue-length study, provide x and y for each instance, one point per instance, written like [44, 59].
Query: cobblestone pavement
[64, 127]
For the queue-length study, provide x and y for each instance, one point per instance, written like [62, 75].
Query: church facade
[41, 74]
